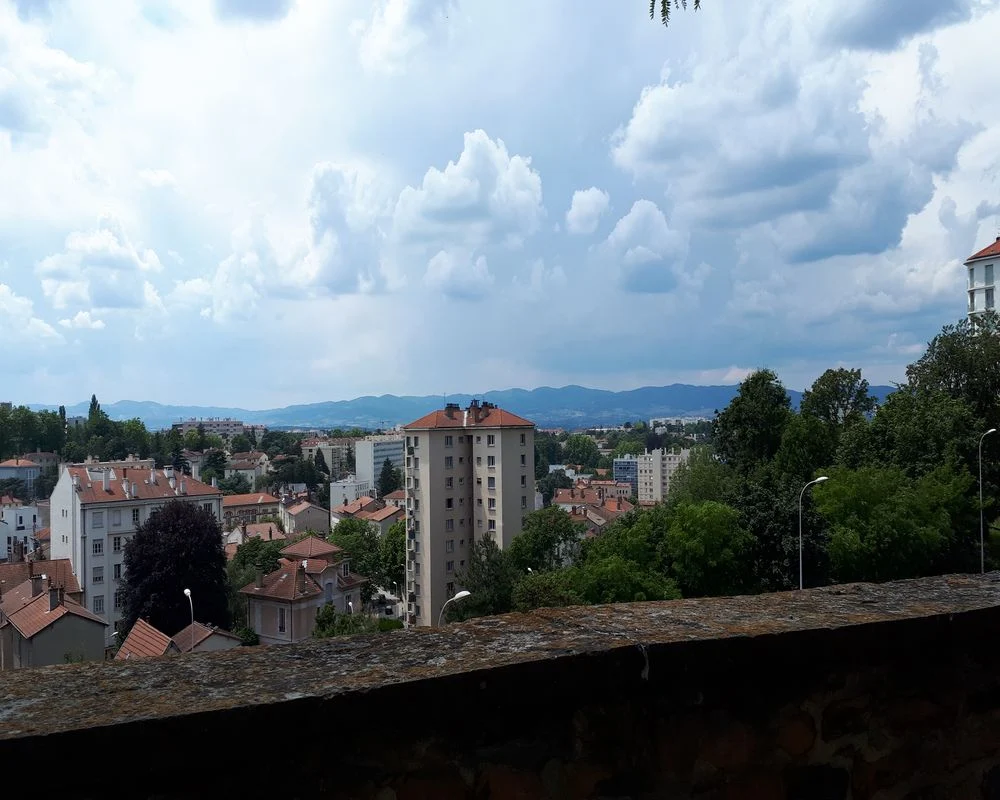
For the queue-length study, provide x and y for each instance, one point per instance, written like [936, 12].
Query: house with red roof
[21, 469]
[301, 516]
[981, 287]
[248, 508]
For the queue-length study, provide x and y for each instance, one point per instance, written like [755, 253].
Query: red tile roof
[282, 584]
[193, 635]
[485, 417]
[267, 531]
[303, 505]
[252, 499]
[31, 615]
[92, 485]
[8, 500]
[44, 534]
[356, 506]
[145, 641]
[986, 252]
[311, 547]
[380, 514]
[60, 570]
[17, 462]
[399, 494]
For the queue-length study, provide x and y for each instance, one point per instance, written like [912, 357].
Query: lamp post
[982, 537]
[460, 596]
[187, 594]
[811, 483]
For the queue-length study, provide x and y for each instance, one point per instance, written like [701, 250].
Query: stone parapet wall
[857, 692]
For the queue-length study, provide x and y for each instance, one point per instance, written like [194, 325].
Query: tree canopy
[664, 7]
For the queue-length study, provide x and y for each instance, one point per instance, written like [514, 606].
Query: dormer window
[345, 569]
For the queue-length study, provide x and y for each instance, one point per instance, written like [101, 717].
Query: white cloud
[19, 323]
[648, 251]
[82, 321]
[586, 209]
[399, 28]
[459, 275]
[157, 178]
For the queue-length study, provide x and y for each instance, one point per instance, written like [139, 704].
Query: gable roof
[281, 584]
[488, 416]
[92, 485]
[18, 462]
[145, 641]
[380, 514]
[355, 506]
[986, 252]
[303, 505]
[31, 615]
[254, 498]
[399, 494]
[310, 547]
[59, 570]
[193, 635]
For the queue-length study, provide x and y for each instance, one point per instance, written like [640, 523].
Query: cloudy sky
[262, 202]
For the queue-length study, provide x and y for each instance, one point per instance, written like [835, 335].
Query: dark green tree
[389, 479]
[320, 461]
[549, 539]
[545, 590]
[748, 431]
[664, 7]
[237, 483]
[838, 397]
[240, 443]
[359, 540]
[581, 449]
[392, 555]
[178, 547]
[330, 623]
[491, 578]
[708, 550]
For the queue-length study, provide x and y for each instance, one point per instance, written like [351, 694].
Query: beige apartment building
[469, 473]
[655, 469]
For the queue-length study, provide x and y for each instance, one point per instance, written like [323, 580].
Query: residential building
[22, 525]
[610, 488]
[381, 519]
[371, 453]
[469, 473]
[396, 498]
[267, 531]
[655, 469]
[352, 509]
[220, 426]
[349, 489]
[40, 626]
[42, 458]
[145, 641]
[981, 287]
[195, 460]
[201, 638]
[337, 453]
[249, 469]
[282, 605]
[246, 508]
[95, 510]
[22, 470]
[297, 518]
[578, 495]
[59, 571]
[626, 470]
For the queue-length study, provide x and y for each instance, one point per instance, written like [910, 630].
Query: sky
[262, 202]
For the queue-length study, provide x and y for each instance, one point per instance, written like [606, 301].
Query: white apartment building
[981, 286]
[371, 452]
[349, 489]
[655, 468]
[96, 509]
[220, 426]
[21, 525]
[469, 473]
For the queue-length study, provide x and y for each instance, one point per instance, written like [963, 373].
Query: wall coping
[72, 697]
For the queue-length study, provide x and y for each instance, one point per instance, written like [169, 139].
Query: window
[524, 481]
[479, 523]
[449, 503]
[449, 566]
[345, 568]
[524, 501]
[449, 483]
[449, 524]
[116, 518]
[117, 600]
[461, 439]
[116, 544]
[98, 519]
[450, 587]
[98, 575]
[972, 277]
[492, 504]
[479, 501]
[449, 546]
[448, 441]
[135, 516]
[281, 620]
[479, 439]
[461, 481]
[416, 589]
[989, 297]
[491, 440]
[118, 572]
[492, 525]
[524, 460]
[407, 441]
[491, 482]
[207, 506]
[989, 275]
[461, 563]
[524, 440]
[98, 604]
[416, 462]
[491, 461]
[479, 461]
[416, 611]
[98, 547]
[416, 441]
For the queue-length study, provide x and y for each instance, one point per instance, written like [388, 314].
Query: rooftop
[193, 635]
[144, 641]
[60, 570]
[355, 506]
[310, 547]
[18, 462]
[31, 615]
[990, 250]
[483, 415]
[252, 499]
[149, 484]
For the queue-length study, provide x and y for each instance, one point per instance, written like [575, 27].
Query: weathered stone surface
[692, 699]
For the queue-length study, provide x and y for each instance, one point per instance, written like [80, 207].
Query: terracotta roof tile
[303, 505]
[356, 506]
[92, 485]
[488, 417]
[60, 570]
[986, 252]
[283, 584]
[380, 514]
[44, 534]
[31, 615]
[399, 494]
[252, 499]
[311, 547]
[193, 635]
[17, 462]
[145, 641]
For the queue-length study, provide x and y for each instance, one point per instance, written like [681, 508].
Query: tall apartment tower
[469, 473]
[655, 468]
[981, 286]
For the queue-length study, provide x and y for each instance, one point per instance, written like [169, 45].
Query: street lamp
[187, 594]
[460, 596]
[811, 483]
[982, 538]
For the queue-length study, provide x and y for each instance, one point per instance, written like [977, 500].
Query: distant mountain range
[566, 407]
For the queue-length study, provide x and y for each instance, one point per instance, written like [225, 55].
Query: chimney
[125, 488]
[215, 482]
[76, 482]
[134, 489]
[270, 532]
[53, 598]
[184, 486]
[300, 578]
[243, 533]
[152, 476]
[36, 585]
[107, 480]
[572, 492]
[172, 482]
[259, 580]
[619, 504]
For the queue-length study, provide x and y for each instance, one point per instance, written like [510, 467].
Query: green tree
[708, 550]
[748, 431]
[702, 477]
[807, 443]
[838, 397]
[664, 7]
[548, 540]
[392, 555]
[46, 482]
[237, 483]
[554, 480]
[329, 623]
[617, 580]
[213, 465]
[240, 443]
[178, 547]
[491, 578]
[389, 480]
[581, 449]
[359, 540]
[242, 570]
[320, 461]
[545, 590]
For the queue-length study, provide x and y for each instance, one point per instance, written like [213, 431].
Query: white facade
[20, 523]
[94, 512]
[371, 452]
[22, 470]
[981, 287]
[469, 474]
[655, 469]
[348, 490]
[220, 426]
